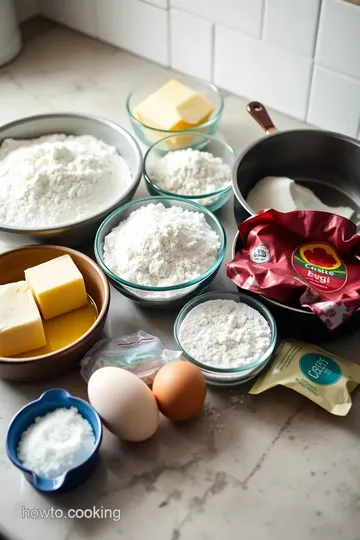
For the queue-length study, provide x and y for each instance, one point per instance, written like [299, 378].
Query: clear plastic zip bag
[141, 353]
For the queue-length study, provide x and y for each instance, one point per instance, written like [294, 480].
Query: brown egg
[179, 388]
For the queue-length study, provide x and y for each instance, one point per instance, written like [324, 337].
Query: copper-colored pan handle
[258, 111]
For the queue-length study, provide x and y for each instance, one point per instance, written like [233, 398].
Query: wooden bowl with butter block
[53, 306]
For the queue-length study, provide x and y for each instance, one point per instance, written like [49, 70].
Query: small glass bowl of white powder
[55, 441]
[195, 167]
[160, 251]
[230, 336]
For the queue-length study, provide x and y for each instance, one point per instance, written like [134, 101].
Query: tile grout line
[358, 132]
[169, 36]
[212, 61]
[321, 3]
[309, 92]
[212, 21]
[263, 13]
[312, 69]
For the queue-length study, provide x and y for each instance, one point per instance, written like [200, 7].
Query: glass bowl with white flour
[230, 336]
[160, 251]
[195, 167]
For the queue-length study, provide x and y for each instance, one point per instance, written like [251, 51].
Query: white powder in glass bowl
[191, 172]
[225, 334]
[158, 247]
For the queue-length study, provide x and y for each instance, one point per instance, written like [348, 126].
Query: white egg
[124, 402]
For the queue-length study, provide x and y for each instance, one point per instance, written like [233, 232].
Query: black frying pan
[327, 163]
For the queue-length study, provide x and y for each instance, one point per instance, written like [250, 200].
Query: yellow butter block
[21, 327]
[174, 107]
[179, 142]
[57, 285]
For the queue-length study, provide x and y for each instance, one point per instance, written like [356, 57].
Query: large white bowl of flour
[61, 174]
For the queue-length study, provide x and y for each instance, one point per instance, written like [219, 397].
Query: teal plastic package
[141, 353]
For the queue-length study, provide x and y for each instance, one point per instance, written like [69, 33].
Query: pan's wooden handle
[258, 111]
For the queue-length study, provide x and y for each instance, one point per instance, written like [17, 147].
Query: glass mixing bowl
[213, 200]
[166, 297]
[149, 135]
[227, 377]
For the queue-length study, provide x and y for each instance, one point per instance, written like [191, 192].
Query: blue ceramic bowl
[49, 401]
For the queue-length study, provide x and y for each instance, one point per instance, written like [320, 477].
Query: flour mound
[225, 334]
[58, 179]
[158, 246]
[190, 172]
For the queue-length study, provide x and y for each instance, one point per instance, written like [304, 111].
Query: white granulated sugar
[190, 172]
[225, 334]
[58, 179]
[237, 399]
[56, 442]
[284, 195]
[158, 246]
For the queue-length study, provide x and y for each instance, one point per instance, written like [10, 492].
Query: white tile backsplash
[77, 14]
[261, 72]
[135, 26]
[245, 15]
[192, 55]
[164, 4]
[81, 15]
[292, 25]
[55, 10]
[339, 37]
[335, 102]
[267, 50]
[108, 15]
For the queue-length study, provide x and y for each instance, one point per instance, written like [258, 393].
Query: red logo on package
[318, 264]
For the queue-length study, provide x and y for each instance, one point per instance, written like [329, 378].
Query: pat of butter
[174, 107]
[21, 327]
[57, 285]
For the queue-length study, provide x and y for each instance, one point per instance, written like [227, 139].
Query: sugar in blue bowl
[47, 402]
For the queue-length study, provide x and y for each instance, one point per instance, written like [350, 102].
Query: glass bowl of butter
[171, 106]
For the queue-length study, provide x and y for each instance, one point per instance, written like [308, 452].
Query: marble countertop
[251, 467]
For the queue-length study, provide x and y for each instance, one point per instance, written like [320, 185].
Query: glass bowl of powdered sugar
[230, 336]
[195, 167]
[160, 251]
